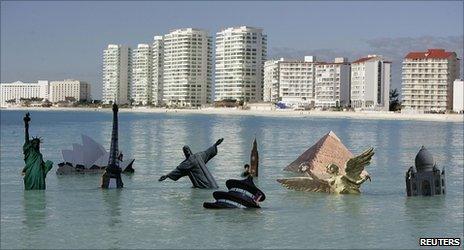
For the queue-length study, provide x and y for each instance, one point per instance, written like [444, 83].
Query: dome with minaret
[424, 160]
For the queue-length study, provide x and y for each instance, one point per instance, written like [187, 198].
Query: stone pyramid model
[328, 150]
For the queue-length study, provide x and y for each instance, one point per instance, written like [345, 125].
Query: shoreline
[362, 115]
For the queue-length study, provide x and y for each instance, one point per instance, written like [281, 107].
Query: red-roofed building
[370, 83]
[430, 54]
[427, 81]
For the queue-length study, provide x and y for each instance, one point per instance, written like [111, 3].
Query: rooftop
[186, 30]
[430, 54]
[19, 83]
[369, 57]
[241, 28]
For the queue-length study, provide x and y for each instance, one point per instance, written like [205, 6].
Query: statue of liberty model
[36, 169]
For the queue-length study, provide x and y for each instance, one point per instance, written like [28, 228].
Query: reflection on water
[173, 133]
[232, 131]
[34, 216]
[34, 210]
[424, 211]
[112, 201]
[147, 213]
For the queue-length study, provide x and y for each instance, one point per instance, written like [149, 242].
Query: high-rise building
[69, 90]
[290, 81]
[332, 84]
[187, 68]
[296, 82]
[271, 80]
[141, 75]
[458, 96]
[370, 83]
[240, 56]
[116, 74]
[12, 93]
[157, 73]
[307, 83]
[428, 80]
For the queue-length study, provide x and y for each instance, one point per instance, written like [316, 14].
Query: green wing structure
[356, 165]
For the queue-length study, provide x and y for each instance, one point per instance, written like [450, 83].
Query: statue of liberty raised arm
[36, 169]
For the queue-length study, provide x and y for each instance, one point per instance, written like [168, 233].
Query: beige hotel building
[427, 80]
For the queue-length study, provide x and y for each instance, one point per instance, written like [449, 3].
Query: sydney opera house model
[90, 157]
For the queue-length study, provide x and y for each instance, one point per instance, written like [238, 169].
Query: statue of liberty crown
[37, 138]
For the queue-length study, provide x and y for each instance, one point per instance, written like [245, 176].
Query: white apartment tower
[157, 73]
[141, 75]
[332, 84]
[458, 96]
[116, 77]
[370, 83]
[296, 82]
[240, 56]
[271, 81]
[187, 68]
[307, 83]
[427, 80]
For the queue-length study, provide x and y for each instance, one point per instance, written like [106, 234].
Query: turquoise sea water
[74, 213]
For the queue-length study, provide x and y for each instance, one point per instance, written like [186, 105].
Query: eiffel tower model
[111, 178]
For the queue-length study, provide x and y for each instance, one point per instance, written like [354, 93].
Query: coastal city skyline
[344, 40]
[176, 72]
[231, 124]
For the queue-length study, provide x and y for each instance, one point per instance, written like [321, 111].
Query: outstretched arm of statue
[178, 172]
[218, 142]
[209, 153]
[26, 119]
[173, 175]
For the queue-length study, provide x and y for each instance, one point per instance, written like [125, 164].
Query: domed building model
[425, 178]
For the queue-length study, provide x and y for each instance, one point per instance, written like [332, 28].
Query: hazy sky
[57, 39]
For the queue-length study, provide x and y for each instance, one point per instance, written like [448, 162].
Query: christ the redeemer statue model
[194, 166]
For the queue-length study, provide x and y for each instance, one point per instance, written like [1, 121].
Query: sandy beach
[270, 113]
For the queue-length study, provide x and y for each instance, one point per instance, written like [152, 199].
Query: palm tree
[395, 104]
